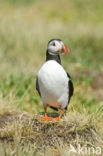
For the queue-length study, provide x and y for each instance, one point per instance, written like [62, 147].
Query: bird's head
[56, 46]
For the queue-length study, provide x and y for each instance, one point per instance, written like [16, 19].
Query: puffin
[53, 83]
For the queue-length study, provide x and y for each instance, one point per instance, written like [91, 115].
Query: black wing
[37, 86]
[71, 88]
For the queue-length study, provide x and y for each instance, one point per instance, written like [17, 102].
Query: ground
[25, 29]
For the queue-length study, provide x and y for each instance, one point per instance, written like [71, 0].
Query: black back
[37, 86]
[71, 87]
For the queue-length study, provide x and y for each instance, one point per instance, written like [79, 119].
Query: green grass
[25, 29]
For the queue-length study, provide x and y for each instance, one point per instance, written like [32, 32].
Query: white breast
[53, 84]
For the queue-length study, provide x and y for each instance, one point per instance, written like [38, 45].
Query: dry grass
[74, 128]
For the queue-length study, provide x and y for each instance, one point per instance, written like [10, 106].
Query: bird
[53, 83]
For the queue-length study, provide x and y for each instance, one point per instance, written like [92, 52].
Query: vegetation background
[26, 26]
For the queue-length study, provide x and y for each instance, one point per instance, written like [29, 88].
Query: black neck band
[53, 57]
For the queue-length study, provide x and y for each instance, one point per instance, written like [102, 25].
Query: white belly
[53, 84]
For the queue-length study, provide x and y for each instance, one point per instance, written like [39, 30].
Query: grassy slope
[26, 27]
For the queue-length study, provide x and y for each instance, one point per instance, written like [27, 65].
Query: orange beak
[66, 49]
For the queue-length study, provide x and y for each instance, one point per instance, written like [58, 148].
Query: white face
[55, 47]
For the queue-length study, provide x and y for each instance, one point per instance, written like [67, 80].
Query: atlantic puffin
[53, 83]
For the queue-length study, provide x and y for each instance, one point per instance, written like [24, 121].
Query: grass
[25, 29]
[25, 129]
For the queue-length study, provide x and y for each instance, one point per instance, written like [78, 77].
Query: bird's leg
[58, 118]
[46, 117]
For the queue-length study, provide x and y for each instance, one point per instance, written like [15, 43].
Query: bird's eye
[53, 43]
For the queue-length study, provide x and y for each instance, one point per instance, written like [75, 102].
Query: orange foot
[47, 118]
[56, 119]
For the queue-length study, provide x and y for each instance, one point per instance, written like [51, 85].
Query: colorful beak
[66, 49]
